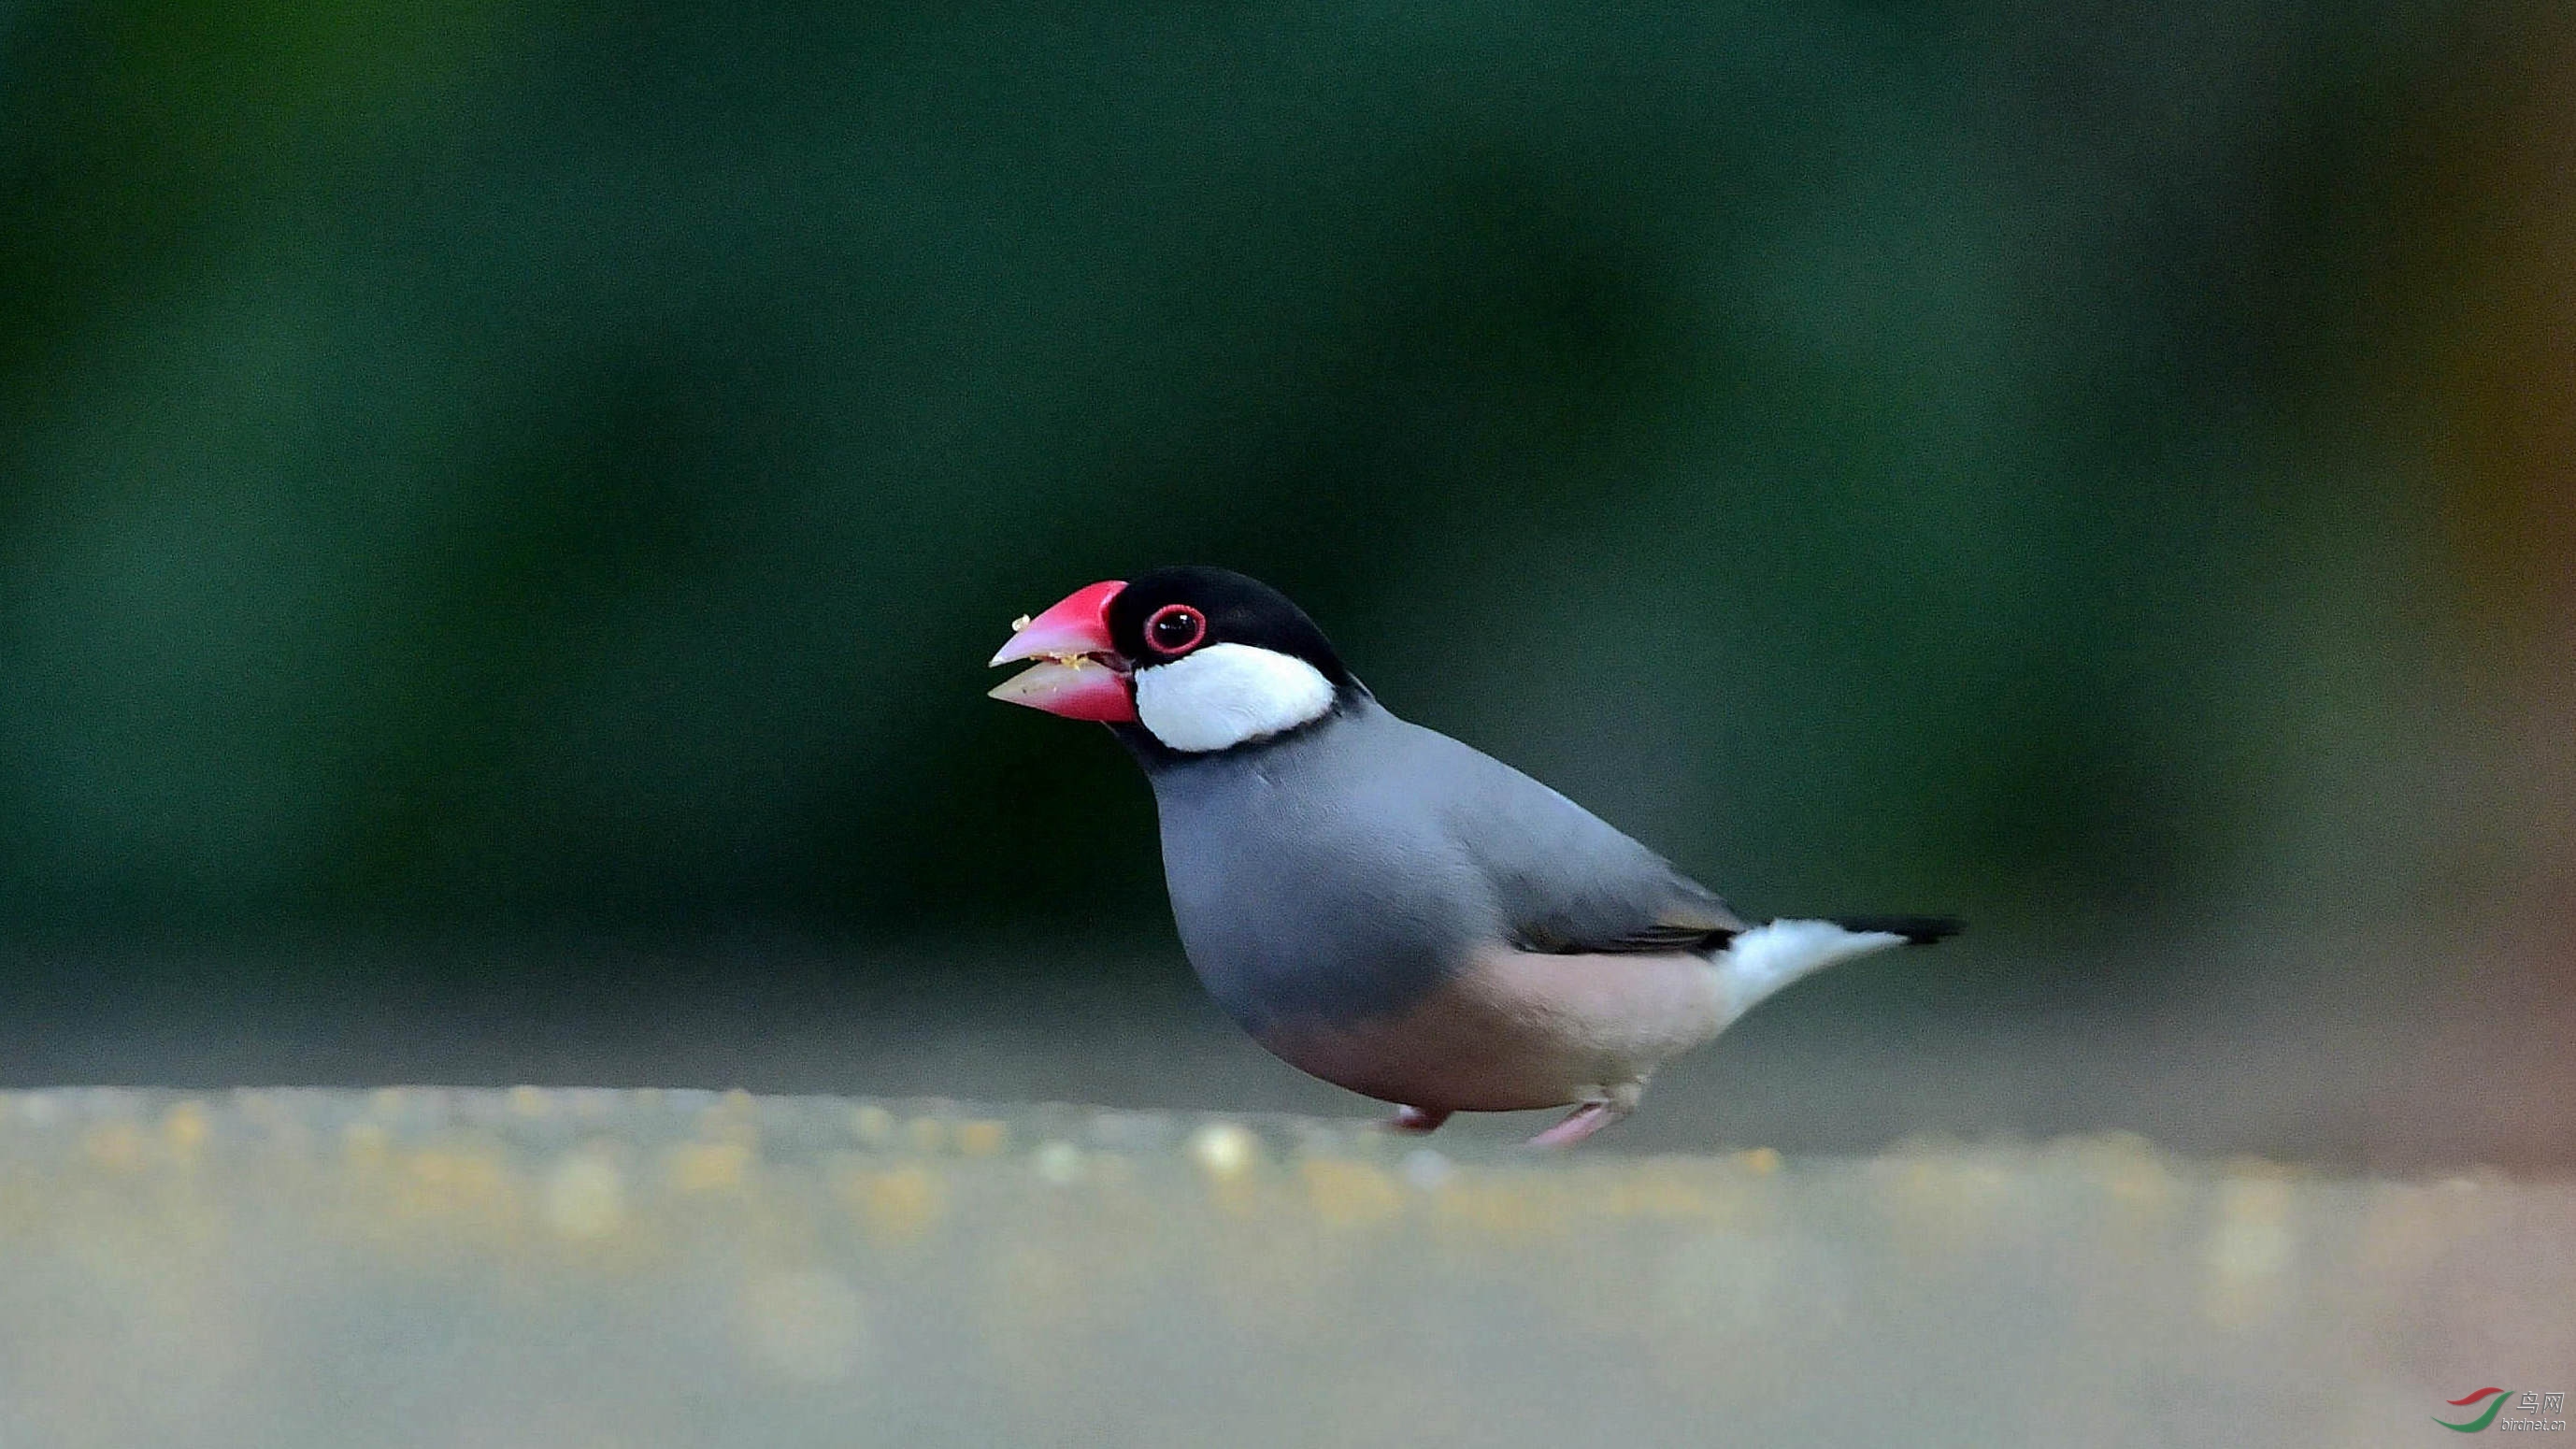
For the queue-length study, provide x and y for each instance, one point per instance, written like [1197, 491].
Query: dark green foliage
[525, 466]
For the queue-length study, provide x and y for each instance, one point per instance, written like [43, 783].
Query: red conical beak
[1079, 674]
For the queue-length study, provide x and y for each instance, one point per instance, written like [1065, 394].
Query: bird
[1387, 908]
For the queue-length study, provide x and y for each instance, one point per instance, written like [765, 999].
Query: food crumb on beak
[1019, 623]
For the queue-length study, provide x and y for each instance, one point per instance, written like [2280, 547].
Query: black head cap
[1172, 612]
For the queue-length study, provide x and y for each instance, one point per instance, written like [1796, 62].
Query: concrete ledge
[596, 1268]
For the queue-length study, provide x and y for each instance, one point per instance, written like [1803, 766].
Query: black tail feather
[1917, 930]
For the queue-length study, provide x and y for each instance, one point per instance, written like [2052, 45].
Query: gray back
[1344, 870]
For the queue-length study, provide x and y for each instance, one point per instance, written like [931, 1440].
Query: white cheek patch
[1226, 694]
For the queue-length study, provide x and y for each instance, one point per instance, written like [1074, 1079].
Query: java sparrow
[1382, 906]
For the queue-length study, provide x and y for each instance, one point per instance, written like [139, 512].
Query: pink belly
[1517, 1030]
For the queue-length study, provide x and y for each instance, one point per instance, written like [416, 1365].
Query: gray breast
[1316, 877]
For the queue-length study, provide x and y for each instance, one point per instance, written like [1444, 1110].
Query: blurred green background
[505, 507]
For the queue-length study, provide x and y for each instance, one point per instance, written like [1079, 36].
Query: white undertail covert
[1766, 958]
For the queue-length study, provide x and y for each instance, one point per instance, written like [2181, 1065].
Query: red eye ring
[1197, 627]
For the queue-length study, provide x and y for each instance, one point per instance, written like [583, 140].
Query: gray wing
[1563, 879]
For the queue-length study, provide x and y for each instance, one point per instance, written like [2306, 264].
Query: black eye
[1175, 627]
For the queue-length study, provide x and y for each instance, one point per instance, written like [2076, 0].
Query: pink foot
[1589, 1118]
[1416, 1119]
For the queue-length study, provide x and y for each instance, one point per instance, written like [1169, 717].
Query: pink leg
[1589, 1118]
[1416, 1119]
